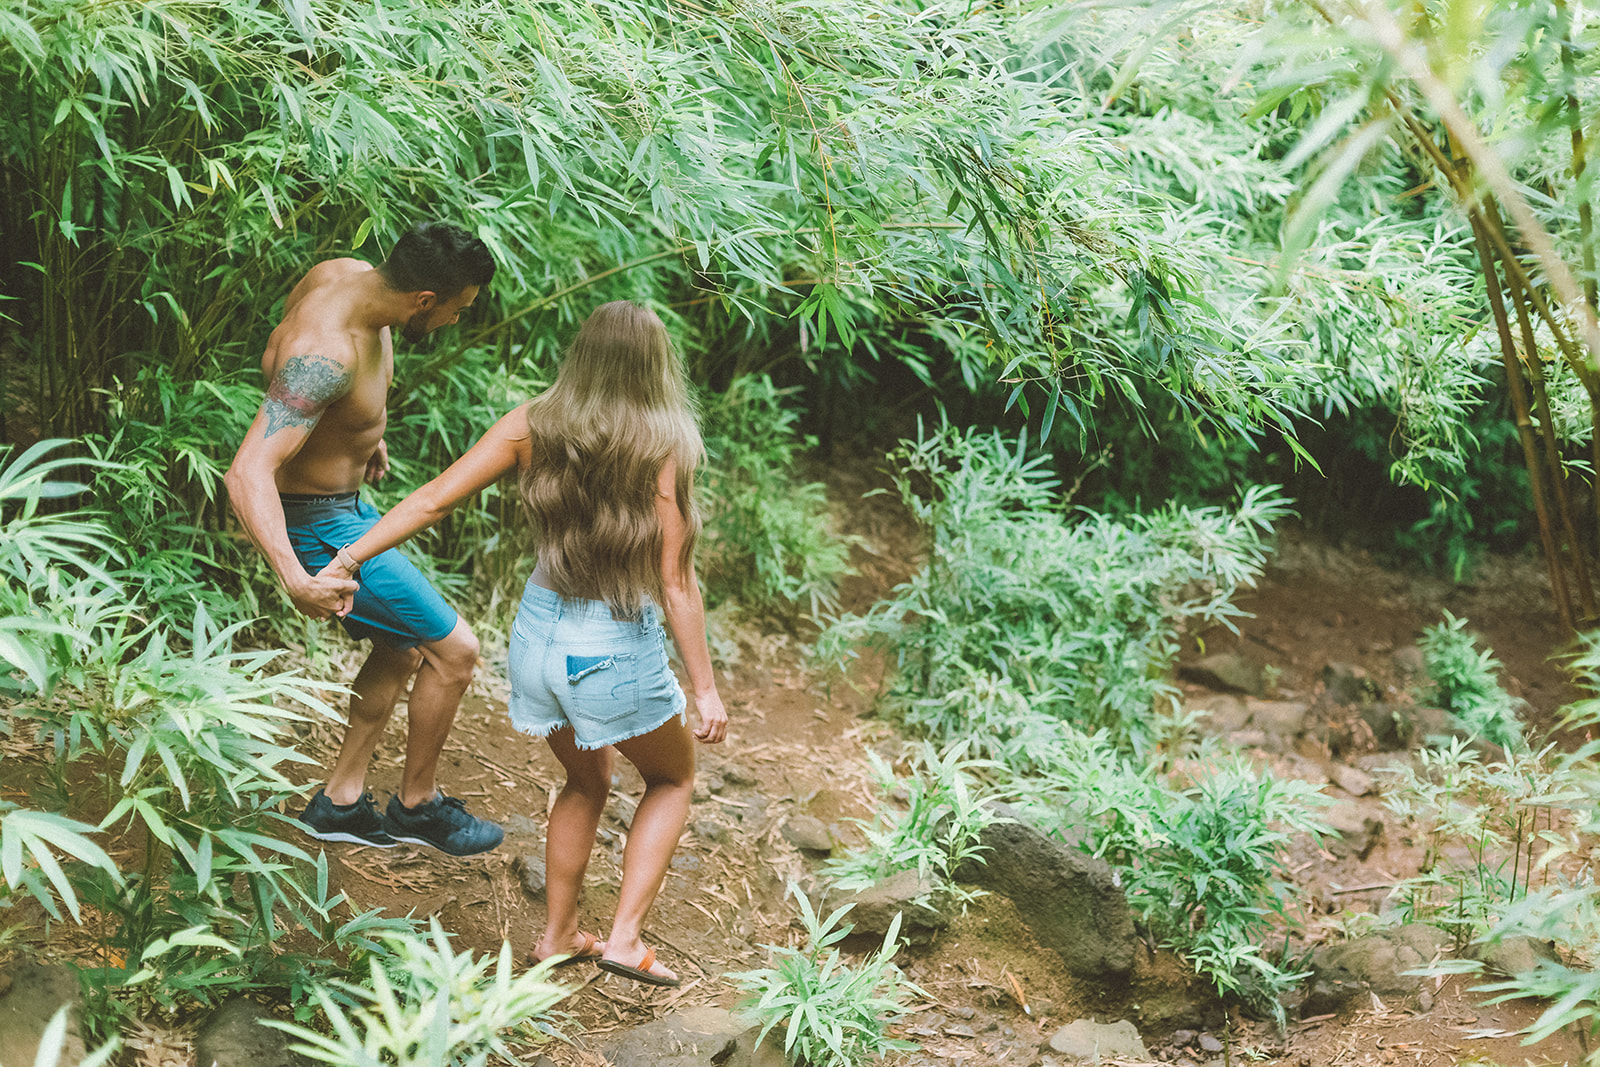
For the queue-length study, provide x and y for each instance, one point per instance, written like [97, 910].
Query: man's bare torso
[319, 339]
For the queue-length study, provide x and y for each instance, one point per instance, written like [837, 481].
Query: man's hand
[325, 595]
[713, 726]
[378, 463]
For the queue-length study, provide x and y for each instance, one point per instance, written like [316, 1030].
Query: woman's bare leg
[665, 760]
[569, 838]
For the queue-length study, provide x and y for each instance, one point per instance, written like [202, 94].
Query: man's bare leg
[442, 680]
[377, 689]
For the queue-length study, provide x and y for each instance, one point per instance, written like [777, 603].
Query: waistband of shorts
[537, 596]
[304, 499]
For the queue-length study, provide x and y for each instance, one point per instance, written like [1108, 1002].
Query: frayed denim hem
[544, 730]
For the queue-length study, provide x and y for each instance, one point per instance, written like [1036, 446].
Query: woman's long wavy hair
[619, 411]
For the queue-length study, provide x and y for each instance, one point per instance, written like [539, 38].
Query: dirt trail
[796, 745]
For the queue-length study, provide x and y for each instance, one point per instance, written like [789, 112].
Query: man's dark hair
[439, 257]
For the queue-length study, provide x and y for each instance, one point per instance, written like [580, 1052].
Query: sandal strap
[649, 958]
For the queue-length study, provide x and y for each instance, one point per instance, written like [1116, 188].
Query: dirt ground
[796, 745]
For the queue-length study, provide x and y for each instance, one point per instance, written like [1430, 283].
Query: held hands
[713, 728]
[328, 594]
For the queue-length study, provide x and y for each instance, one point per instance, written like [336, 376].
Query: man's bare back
[321, 348]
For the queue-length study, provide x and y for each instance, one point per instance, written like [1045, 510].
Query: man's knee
[455, 656]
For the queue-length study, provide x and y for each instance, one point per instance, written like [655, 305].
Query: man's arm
[296, 399]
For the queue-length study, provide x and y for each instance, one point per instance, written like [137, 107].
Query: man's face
[432, 313]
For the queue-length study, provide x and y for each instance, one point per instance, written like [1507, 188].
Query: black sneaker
[443, 823]
[358, 823]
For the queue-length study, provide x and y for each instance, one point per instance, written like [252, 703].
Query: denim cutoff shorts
[394, 603]
[573, 664]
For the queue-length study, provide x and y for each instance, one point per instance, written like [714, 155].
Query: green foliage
[772, 546]
[1200, 855]
[1482, 824]
[1020, 614]
[179, 739]
[425, 1005]
[53, 1044]
[836, 1014]
[1465, 683]
[939, 829]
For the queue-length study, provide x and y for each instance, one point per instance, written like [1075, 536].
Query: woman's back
[617, 416]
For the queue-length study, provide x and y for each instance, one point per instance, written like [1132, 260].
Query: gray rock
[1356, 783]
[234, 1037]
[1298, 768]
[524, 826]
[529, 867]
[1391, 724]
[1210, 1044]
[701, 1036]
[1375, 964]
[1072, 902]
[1511, 956]
[877, 905]
[737, 775]
[1091, 1042]
[1408, 663]
[1279, 718]
[1347, 683]
[710, 830]
[1227, 671]
[1222, 713]
[1357, 829]
[37, 991]
[808, 833]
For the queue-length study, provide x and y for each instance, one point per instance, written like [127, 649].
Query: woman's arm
[502, 449]
[686, 610]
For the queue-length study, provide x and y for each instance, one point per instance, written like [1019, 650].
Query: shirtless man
[294, 483]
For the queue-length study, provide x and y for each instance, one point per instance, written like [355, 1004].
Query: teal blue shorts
[394, 604]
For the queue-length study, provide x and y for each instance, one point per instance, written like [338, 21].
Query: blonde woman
[606, 458]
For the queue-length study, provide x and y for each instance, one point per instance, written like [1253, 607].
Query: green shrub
[1480, 821]
[1201, 860]
[771, 545]
[1465, 683]
[939, 829]
[1030, 613]
[425, 1005]
[179, 739]
[837, 1015]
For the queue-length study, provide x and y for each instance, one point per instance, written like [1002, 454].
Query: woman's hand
[339, 573]
[713, 728]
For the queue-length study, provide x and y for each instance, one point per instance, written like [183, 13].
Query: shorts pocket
[604, 688]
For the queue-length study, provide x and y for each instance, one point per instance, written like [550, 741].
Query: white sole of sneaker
[352, 839]
[435, 845]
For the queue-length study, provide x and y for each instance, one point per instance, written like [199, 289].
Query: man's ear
[425, 300]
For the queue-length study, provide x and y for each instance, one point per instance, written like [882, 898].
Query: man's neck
[377, 305]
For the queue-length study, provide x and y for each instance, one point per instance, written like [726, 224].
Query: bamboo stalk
[1414, 62]
[1576, 550]
[1579, 160]
[1519, 404]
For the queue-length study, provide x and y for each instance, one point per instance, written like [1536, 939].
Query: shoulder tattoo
[302, 390]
